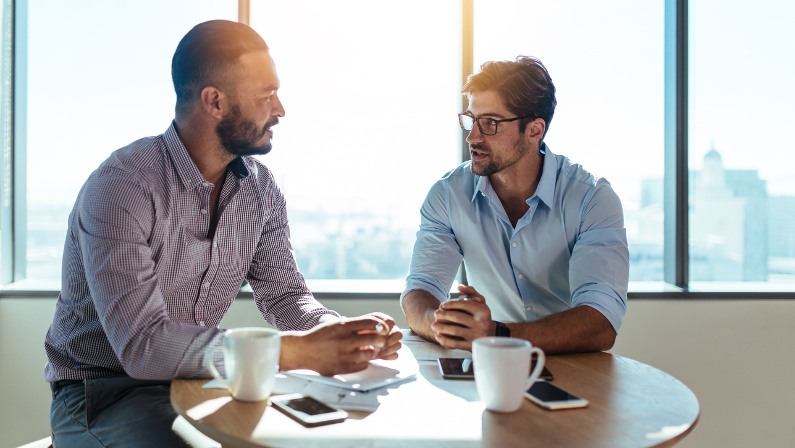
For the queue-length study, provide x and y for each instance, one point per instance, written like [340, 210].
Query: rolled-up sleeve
[599, 265]
[437, 254]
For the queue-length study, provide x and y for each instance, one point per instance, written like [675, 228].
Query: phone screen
[457, 367]
[548, 392]
[309, 406]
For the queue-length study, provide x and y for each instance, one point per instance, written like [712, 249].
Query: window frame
[13, 221]
[676, 284]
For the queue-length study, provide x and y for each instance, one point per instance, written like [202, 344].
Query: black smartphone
[456, 368]
[462, 369]
[549, 396]
[306, 410]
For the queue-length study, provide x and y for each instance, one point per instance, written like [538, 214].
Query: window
[606, 60]
[742, 190]
[370, 124]
[371, 91]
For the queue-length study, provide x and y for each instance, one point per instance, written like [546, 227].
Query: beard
[239, 136]
[494, 166]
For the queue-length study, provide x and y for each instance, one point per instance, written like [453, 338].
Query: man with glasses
[542, 240]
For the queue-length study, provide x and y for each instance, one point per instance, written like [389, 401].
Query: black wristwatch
[502, 330]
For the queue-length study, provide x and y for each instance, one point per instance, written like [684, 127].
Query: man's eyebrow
[487, 115]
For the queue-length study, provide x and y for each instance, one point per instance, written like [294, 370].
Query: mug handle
[539, 366]
[210, 357]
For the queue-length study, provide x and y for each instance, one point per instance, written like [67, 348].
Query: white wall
[736, 356]
[24, 396]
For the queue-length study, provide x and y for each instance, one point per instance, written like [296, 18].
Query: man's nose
[474, 135]
[278, 107]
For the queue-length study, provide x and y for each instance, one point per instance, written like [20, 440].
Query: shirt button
[529, 308]
[206, 285]
[201, 323]
[204, 211]
[520, 276]
[514, 244]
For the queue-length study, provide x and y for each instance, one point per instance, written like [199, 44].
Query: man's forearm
[418, 306]
[580, 329]
[290, 353]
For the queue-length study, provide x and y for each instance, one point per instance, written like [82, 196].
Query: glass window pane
[606, 60]
[99, 77]
[370, 91]
[742, 190]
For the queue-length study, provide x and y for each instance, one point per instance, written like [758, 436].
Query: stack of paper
[357, 391]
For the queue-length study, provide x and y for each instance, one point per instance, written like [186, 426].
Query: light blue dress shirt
[569, 249]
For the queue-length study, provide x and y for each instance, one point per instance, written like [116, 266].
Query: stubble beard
[495, 166]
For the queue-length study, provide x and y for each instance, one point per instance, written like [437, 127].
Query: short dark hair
[524, 85]
[206, 53]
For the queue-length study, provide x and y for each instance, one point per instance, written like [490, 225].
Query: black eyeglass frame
[496, 122]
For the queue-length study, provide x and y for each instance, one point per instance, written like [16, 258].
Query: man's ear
[213, 101]
[535, 130]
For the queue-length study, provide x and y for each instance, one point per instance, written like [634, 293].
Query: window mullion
[676, 256]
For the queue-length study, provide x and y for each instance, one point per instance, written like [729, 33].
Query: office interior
[713, 309]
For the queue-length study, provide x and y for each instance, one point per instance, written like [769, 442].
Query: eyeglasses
[487, 126]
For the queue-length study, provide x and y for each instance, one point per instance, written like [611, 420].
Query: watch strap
[502, 329]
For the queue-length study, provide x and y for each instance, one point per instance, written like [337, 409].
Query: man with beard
[161, 238]
[542, 240]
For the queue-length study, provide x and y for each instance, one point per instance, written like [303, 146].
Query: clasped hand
[458, 322]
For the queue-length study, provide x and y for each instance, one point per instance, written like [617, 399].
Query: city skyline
[732, 237]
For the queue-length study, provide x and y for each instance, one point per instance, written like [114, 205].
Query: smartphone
[462, 368]
[549, 396]
[306, 410]
[456, 368]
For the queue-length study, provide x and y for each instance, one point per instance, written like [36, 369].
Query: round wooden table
[631, 405]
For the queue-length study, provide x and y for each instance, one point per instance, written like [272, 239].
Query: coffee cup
[250, 359]
[501, 366]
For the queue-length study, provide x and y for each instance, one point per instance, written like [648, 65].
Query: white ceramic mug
[251, 360]
[501, 366]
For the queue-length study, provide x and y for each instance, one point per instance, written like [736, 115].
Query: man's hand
[343, 346]
[393, 336]
[460, 321]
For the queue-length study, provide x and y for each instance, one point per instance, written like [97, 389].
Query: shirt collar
[546, 185]
[482, 186]
[549, 176]
[239, 167]
[187, 171]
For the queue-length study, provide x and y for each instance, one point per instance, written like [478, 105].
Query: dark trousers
[116, 411]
